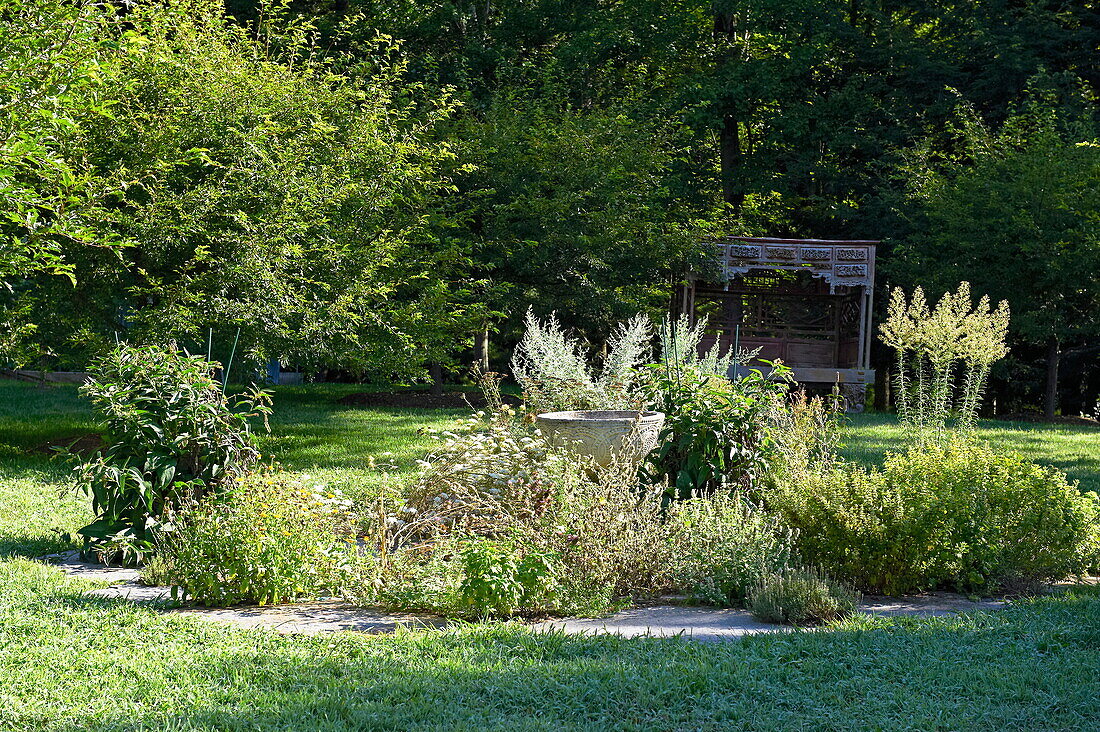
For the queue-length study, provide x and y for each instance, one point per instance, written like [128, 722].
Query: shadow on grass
[32, 546]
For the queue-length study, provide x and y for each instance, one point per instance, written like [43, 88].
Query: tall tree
[263, 190]
[56, 59]
[1017, 210]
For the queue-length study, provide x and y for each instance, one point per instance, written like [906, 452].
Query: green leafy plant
[499, 578]
[958, 515]
[173, 436]
[715, 433]
[269, 539]
[801, 597]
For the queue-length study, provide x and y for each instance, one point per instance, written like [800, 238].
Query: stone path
[712, 624]
[661, 621]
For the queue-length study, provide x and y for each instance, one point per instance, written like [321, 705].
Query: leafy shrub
[498, 579]
[269, 539]
[555, 375]
[801, 597]
[959, 515]
[609, 536]
[173, 436]
[721, 546]
[715, 433]
[1013, 524]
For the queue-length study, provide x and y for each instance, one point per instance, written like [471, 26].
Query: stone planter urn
[603, 434]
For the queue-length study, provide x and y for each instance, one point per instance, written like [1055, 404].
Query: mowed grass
[71, 662]
[1070, 448]
[312, 432]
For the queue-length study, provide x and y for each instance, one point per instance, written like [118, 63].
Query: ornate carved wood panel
[847, 263]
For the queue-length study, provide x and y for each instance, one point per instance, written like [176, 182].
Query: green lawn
[1074, 449]
[73, 663]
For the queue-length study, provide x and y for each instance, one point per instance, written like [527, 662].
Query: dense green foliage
[961, 515]
[715, 433]
[254, 187]
[1017, 209]
[823, 118]
[172, 436]
[499, 580]
[267, 540]
[367, 186]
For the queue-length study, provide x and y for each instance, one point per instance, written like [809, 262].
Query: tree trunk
[481, 348]
[1050, 397]
[436, 370]
[882, 390]
[730, 159]
[729, 141]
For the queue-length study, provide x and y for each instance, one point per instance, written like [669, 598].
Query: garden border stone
[656, 621]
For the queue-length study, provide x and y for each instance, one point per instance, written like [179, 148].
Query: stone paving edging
[661, 621]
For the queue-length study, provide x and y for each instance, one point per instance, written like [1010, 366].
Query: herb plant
[267, 540]
[555, 374]
[938, 347]
[499, 579]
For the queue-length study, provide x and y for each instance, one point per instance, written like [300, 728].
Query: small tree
[955, 342]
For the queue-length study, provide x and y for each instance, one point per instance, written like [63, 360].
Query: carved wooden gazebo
[804, 301]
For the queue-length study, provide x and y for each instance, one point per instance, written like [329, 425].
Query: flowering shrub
[174, 436]
[494, 482]
[487, 474]
[270, 539]
[954, 341]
